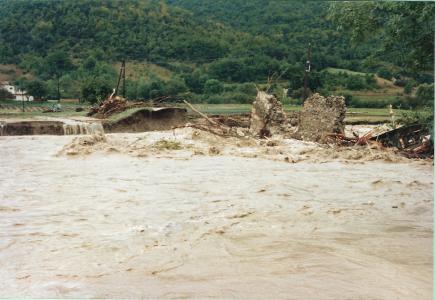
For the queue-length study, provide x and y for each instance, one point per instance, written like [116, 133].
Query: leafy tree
[355, 83]
[371, 81]
[385, 73]
[213, 86]
[406, 28]
[96, 90]
[90, 63]
[408, 88]
[58, 62]
[229, 69]
[248, 88]
[131, 89]
[5, 95]
[21, 83]
[36, 88]
[425, 95]
[175, 86]
[143, 90]
[195, 81]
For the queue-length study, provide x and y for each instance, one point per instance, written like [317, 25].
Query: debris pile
[412, 141]
[241, 120]
[321, 121]
[108, 107]
[321, 117]
[216, 127]
[267, 116]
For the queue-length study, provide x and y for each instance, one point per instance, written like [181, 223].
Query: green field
[34, 110]
[354, 115]
[349, 72]
[11, 109]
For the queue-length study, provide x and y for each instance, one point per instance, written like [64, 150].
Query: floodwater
[114, 225]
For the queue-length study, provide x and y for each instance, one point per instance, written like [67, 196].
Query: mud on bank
[134, 120]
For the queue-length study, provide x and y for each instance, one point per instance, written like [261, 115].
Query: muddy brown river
[113, 225]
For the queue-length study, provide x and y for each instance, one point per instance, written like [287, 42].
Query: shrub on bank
[230, 97]
[398, 102]
[5, 95]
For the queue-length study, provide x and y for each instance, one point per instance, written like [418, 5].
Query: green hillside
[208, 51]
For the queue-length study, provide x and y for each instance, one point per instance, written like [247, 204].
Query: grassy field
[386, 93]
[349, 72]
[353, 115]
[34, 110]
[145, 70]
[47, 104]
[10, 109]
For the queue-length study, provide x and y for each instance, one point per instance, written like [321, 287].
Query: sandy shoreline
[175, 224]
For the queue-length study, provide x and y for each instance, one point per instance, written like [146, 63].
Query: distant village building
[18, 94]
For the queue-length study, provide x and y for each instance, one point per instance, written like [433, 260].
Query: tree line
[215, 49]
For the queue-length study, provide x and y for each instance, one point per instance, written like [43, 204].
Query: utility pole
[307, 72]
[121, 76]
[123, 79]
[22, 99]
[58, 88]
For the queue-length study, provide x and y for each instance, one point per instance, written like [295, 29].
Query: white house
[18, 94]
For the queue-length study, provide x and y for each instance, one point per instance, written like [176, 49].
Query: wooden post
[121, 76]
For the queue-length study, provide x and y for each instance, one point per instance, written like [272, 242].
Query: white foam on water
[2, 125]
[72, 127]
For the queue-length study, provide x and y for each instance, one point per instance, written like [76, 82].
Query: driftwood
[117, 104]
[201, 114]
[212, 130]
[214, 127]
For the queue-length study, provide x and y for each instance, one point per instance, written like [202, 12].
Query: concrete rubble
[267, 116]
[321, 117]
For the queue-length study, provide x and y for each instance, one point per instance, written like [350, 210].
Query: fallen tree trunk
[214, 127]
[201, 114]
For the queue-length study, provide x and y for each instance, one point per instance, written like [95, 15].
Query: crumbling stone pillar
[320, 117]
[267, 116]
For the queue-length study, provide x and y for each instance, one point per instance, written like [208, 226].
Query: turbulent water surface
[118, 226]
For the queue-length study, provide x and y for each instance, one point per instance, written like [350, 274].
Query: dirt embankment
[148, 119]
[32, 128]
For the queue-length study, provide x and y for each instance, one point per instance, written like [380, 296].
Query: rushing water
[116, 226]
[2, 126]
[71, 127]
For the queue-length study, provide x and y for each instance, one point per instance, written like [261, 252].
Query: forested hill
[290, 25]
[200, 31]
[178, 46]
[117, 29]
